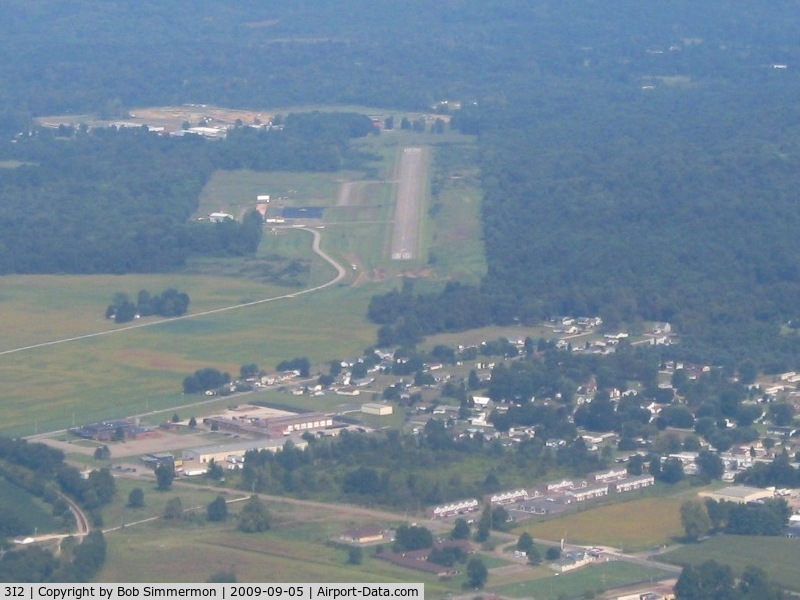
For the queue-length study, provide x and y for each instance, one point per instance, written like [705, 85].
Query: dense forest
[667, 200]
[406, 471]
[117, 201]
[676, 205]
[639, 160]
[266, 53]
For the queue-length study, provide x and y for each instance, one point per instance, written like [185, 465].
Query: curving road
[341, 272]
[81, 523]
[81, 520]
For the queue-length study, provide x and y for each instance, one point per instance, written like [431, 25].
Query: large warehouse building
[740, 494]
[221, 453]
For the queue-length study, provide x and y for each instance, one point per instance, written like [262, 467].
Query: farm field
[295, 549]
[575, 584]
[41, 308]
[633, 525]
[778, 556]
[141, 370]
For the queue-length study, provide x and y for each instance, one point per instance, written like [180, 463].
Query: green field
[295, 549]
[456, 245]
[235, 192]
[632, 525]
[476, 336]
[140, 369]
[575, 584]
[196, 497]
[778, 556]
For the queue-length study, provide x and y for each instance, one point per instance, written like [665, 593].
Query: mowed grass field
[42, 308]
[193, 553]
[778, 556]
[235, 192]
[297, 548]
[633, 525]
[576, 584]
[142, 369]
[476, 336]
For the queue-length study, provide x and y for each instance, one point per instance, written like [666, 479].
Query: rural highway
[341, 272]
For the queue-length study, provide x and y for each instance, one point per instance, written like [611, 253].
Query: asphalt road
[341, 272]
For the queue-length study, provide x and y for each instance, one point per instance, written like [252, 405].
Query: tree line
[124, 197]
[170, 303]
[405, 471]
[352, 52]
[41, 471]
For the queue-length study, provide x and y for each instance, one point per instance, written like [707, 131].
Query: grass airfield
[141, 369]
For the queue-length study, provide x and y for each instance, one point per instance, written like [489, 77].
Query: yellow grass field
[634, 525]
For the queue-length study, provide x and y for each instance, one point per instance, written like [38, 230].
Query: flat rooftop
[739, 491]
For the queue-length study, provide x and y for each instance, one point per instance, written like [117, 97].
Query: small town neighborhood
[371, 393]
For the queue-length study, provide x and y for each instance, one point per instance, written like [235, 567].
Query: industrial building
[375, 408]
[221, 453]
[272, 426]
[740, 494]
